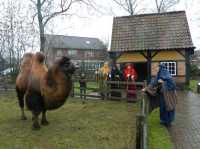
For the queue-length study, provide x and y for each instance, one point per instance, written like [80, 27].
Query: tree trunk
[41, 26]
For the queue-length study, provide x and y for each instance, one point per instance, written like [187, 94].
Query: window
[88, 54]
[100, 54]
[59, 53]
[72, 53]
[90, 65]
[171, 67]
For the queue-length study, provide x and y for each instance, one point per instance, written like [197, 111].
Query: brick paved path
[185, 130]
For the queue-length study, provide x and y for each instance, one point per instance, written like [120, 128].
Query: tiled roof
[151, 31]
[61, 41]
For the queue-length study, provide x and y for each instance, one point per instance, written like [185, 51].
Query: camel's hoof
[45, 123]
[36, 126]
[23, 117]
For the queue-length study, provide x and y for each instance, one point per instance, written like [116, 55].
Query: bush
[194, 71]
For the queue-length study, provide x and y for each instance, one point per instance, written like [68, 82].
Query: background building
[89, 53]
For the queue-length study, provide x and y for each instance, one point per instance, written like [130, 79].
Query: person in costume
[130, 75]
[83, 84]
[115, 76]
[104, 73]
[163, 85]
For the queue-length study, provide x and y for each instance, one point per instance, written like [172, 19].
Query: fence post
[140, 118]
[104, 89]
[72, 94]
[5, 82]
[144, 83]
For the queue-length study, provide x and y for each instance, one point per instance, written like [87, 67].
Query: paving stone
[185, 130]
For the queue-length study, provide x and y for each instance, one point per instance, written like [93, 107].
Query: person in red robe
[130, 75]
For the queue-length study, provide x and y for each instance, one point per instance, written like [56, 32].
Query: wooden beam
[143, 54]
[155, 53]
[187, 65]
[148, 66]
[180, 52]
[120, 55]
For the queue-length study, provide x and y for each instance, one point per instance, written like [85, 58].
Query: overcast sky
[102, 27]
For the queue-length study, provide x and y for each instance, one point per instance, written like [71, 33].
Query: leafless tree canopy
[131, 6]
[164, 5]
[45, 10]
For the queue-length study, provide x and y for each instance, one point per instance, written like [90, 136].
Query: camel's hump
[40, 57]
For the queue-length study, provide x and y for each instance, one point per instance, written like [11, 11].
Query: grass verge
[88, 84]
[79, 123]
[156, 133]
[193, 85]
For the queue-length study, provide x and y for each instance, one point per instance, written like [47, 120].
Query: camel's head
[66, 65]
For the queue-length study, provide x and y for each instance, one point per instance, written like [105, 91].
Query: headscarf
[105, 70]
[164, 75]
[115, 72]
[131, 69]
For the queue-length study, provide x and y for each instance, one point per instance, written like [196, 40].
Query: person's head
[106, 64]
[114, 67]
[82, 74]
[128, 65]
[157, 69]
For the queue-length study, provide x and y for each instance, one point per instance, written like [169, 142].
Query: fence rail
[107, 89]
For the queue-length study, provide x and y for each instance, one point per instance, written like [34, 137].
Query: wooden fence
[141, 126]
[107, 89]
[6, 83]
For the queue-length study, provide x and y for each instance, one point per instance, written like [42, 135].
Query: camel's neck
[56, 89]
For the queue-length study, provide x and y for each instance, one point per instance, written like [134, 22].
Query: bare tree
[132, 7]
[48, 9]
[165, 5]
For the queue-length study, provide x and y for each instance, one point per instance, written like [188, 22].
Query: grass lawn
[88, 84]
[156, 133]
[193, 85]
[77, 124]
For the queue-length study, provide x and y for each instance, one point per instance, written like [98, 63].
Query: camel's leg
[44, 120]
[36, 125]
[33, 116]
[35, 103]
[20, 96]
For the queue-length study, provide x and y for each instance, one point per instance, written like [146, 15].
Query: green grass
[156, 132]
[88, 84]
[103, 124]
[193, 85]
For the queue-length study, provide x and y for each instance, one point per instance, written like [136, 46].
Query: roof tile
[151, 31]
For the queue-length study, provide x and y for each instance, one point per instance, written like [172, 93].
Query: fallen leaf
[154, 129]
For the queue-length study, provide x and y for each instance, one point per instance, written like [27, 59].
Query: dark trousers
[81, 93]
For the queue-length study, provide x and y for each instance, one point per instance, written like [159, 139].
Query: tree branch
[33, 2]
[57, 13]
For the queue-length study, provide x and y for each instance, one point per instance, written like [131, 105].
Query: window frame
[170, 66]
[72, 55]
[86, 54]
[58, 55]
[101, 54]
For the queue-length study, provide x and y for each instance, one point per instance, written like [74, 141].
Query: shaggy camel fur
[44, 89]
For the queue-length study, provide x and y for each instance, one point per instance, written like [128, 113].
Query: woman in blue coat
[166, 86]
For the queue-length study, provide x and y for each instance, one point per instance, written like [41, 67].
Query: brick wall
[179, 79]
[154, 65]
[181, 68]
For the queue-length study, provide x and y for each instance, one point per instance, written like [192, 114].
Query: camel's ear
[63, 61]
[40, 57]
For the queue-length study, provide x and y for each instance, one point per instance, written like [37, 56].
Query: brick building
[149, 39]
[89, 53]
